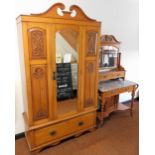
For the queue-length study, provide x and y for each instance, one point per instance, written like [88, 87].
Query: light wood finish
[118, 72]
[52, 13]
[60, 130]
[111, 75]
[118, 90]
[42, 112]
[110, 98]
[66, 106]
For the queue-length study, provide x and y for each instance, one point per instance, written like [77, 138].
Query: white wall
[119, 17]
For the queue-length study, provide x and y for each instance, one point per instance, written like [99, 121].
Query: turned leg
[102, 111]
[116, 102]
[132, 102]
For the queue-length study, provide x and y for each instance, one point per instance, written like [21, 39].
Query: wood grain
[37, 35]
[39, 91]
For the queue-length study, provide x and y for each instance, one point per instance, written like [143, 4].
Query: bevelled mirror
[66, 70]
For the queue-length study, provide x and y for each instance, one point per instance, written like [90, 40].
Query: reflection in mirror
[108, 58]
[66, 70]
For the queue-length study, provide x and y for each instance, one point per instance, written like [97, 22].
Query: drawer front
[104, 77]
[118, 74]
[118, 91]
[64, 128]
[111, 75]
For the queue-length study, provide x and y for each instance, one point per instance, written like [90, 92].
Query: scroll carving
[91, 43]
[37, 41]
[52, 12]
[109, 40]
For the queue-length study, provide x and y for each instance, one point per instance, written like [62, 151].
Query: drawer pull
[117, 74]
[105, 76]
[52, 133]
[81, 123]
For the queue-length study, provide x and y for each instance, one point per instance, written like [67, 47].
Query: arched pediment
[75, 13]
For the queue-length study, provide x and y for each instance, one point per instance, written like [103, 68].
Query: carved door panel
[40, 71]
[39, 85]
[37, 43]
[91, 67]
[91, 42]
[90, 84]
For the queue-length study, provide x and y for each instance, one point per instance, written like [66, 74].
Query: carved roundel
[41, 114]
[89, 101]
[38, 73]
[90, 67]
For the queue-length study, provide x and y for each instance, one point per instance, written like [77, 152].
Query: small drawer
[118, 74]
[118, 91]
[104, 77]
[111, 75]
[64, 128]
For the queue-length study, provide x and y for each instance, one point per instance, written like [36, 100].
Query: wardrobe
[59, 53]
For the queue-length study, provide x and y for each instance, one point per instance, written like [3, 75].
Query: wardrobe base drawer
[60, 130]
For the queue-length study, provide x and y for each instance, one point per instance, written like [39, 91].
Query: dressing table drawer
[104, 77]
[59, 130]
[118, 74]
[117, 91]
[111, 75]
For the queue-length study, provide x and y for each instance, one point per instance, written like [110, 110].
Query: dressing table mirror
[109, 54]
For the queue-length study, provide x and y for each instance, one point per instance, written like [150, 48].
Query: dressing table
[112, 79]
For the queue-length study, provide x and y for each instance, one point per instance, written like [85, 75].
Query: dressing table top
[114, 84]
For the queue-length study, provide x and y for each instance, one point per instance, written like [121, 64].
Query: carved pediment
[109, 40]
[75, 13]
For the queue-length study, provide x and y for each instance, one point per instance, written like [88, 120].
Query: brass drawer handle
[53, 133]
[117, 74]
[81, 123]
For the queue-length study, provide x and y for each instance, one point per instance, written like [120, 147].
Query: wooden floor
[118, 136]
